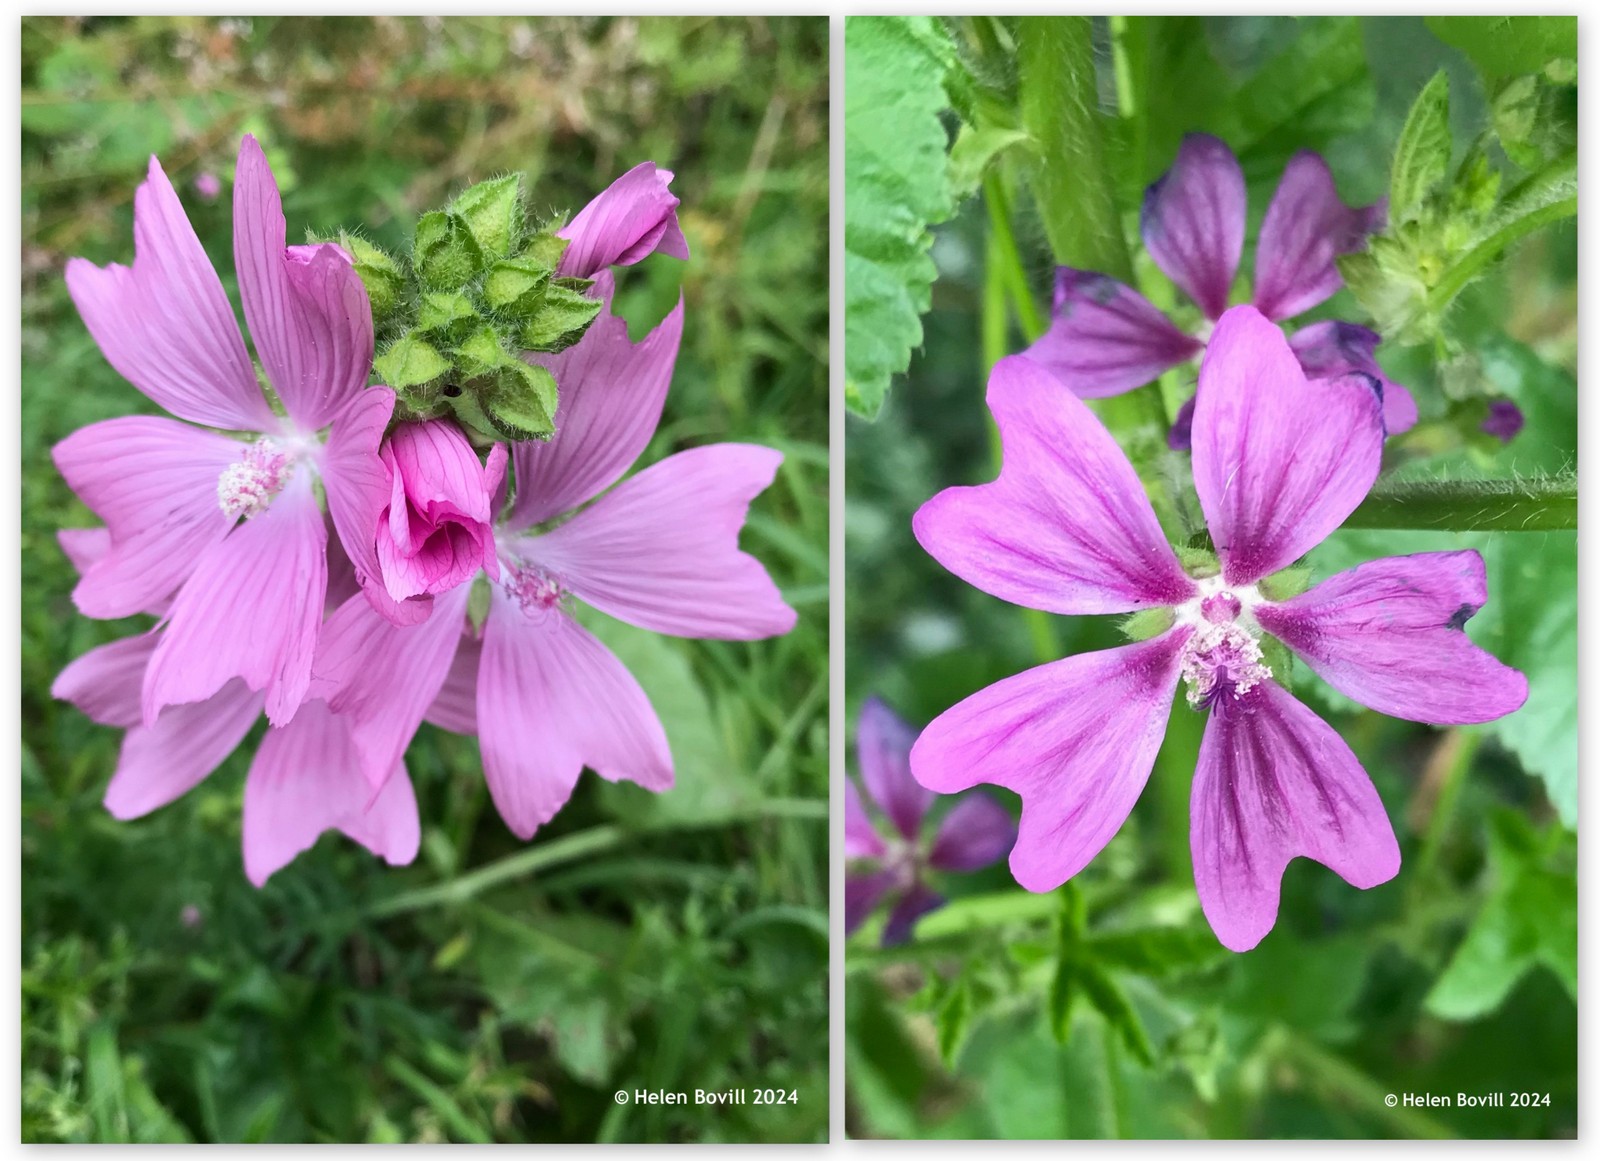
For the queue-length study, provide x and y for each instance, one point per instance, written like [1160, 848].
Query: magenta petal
[661, 550]
[1192, 221]
[356, 480]
[305, 780]
[165, 323]
[251, 609]
[1305, 229]
[1390, 634]
[1278, 463]
[910, 907]
[1075, 739]
[883, 751]
[551, 700]
[455, 706]
[1067, 527]
[612, 391]
[1275, 782]
[307, 308]
[1332, 349]
[1106, 338]
[104, 683]
[861, 839]
[862, 894]
[632, 219]
[979, 831]
[154, 482]
[163, 762]
[436, 534]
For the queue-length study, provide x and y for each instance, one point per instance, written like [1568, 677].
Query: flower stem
[1532, 505]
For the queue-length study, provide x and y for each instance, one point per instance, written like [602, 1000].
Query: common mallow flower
[1106, 338]
[893, 863]
[1068, 528]
[232, 526]
[660, 551]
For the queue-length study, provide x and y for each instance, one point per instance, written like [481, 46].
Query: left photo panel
[425, 579]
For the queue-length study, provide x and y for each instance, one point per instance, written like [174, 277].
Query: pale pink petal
[612, 391]
[1193, 219]
[165, 323]
[632, 219]
[861, 839]
[883, 754]
[251, 609]
[1305, 229]
[1067, 527]
[163, 762]
[307, 308]
[1391, 635]
[661, 550]
[552, 700]
[977, 832]
[104, 683]
[305, 779]
[1076, 739]
[154, 482]
[455, 707]
[1106, 338]
[1276, 782]
[437, 532]
[84, 546]
[1278, 463]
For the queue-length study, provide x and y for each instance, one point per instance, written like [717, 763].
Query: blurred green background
[1108, 1009]
[492, 991]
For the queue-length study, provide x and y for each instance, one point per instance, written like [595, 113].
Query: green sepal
[446, 313]
[516, 285]
[444, 252]
[1198, 562]
[544, 247]
[380, 274]
[1275, 656]
[564, 314]
[1286, 583]
[410, 362]
[478, 603]
[1147, 623]
[480, 354]
[522, 403]
[492, 212]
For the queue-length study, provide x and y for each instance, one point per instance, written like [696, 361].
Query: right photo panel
[1211, 599]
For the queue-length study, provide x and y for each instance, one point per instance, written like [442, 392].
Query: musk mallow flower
[1068, 528]
[1106, 338]
[660, 551]
[232, 526]
[894, 862]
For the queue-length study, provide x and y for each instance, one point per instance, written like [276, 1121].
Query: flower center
[246, 488]
[1223, 656]
[536, 591]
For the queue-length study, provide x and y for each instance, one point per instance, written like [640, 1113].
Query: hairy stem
[1533, 505]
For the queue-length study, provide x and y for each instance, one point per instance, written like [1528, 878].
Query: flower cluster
[308, 558]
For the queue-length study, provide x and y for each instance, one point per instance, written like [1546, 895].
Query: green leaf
[975, 149]
[1508, 45]
[1112, 1003]
[1530, 919]
[492, 211]
[444, 252]
[896, 185]
[563, 315]
[410, 362]
[1157, 951]
[953, 1018]
[1422, 155]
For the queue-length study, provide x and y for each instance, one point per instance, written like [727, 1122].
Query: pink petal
[1106, 338]
[154, 482]
[662, 549]
[165, 324]
[552, 700]
[1331, 349]
[861, 840]
[883, 752]
[612, 391]
[104, 683]
[1278, 464]
[382, 677]
[84, 546]
[305, 780]
[979, 831]
[1275, 782]
[1390, 635]
[1305, 229]
[437, 534]
[455, 706]
[307, 309]
[862, 894]
[1076, 739]
[252, 610]
[1067, 527]
[1192, 221]
[632, 219]
[910, 907]
[163, 762]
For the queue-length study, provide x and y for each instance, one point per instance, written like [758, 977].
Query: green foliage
[1422, 155]
[896, 185]
[1507, 45]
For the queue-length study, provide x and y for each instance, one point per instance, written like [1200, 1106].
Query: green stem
[1486, 251]
[1464, 743]
[1337, 1079]
[1534, 505]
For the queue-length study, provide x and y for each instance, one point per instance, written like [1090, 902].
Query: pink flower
[659, 550]
[232, 527]
[435, 532]
[1068, 528]
[208, 186]
[633, 218]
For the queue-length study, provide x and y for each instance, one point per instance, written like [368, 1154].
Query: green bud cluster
[452, 319]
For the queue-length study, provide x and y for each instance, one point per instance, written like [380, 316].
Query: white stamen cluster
[247, 488]
[1223, 656]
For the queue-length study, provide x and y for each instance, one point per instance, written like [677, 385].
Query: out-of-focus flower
[634, 217]
[208, 185]
[1106, 338]
[660, 551]
[893, 863]
[232, 527]
[1504, 420]
[1068, 528]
